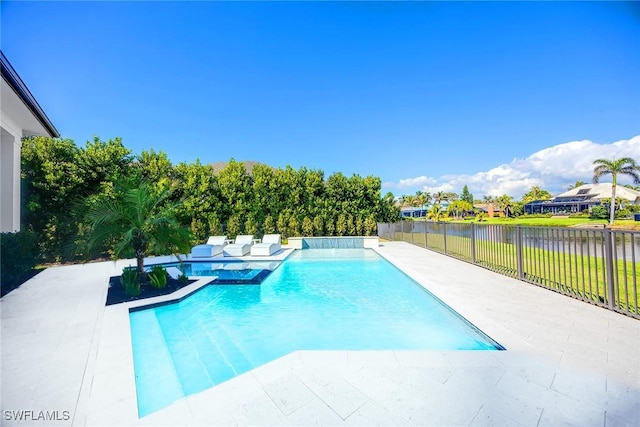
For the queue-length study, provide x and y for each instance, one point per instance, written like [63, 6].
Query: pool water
[318, 299]
[229, 272]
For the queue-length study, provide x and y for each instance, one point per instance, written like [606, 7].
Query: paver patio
[567, 362]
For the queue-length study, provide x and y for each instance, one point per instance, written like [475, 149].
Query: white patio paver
[567, 362]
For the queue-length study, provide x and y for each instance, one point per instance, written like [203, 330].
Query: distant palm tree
[576, 185]
[623, 166]
[536, 193]
[505, 203]
[440, 197]
[138, 223]
[422, 198]
[489, 199]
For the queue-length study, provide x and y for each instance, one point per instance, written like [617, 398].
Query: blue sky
[426, 95]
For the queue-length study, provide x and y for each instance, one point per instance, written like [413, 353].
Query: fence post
[519, 256]
[473, 243]
[426, 238]
[608, 260]
[444, 235]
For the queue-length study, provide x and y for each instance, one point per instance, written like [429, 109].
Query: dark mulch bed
[117, 294]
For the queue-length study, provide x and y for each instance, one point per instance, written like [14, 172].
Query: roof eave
[12, 78]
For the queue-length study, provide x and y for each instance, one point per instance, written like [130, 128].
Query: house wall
[10, 144]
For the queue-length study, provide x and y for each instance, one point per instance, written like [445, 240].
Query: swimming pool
[325, 299]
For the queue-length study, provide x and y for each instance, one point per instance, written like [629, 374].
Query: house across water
[582, 199]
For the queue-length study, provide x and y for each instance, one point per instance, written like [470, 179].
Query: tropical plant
[137, 222]
[130, 280]
[435, 213]
[536, 193]
[158, 277]
[623, 166]
[440, 197]
[460, 206]
[505, 203]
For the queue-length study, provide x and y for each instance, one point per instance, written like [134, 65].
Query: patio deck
[567, 362]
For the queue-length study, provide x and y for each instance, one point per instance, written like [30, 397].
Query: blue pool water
[253, 272]
[322, 299]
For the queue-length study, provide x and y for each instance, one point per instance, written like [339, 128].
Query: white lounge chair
[240, 247]
[213, 247]
[269, 246]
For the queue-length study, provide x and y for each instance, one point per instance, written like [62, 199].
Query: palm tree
[576, 185]
[536, 193]
[505, 203]
[435, 213]
[137, 222]
[440, 197]
[422, 198]
[623, 166]
[488, 199]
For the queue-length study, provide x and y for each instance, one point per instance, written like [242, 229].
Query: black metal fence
[600, 266]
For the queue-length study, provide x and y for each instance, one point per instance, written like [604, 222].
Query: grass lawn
[626, 224]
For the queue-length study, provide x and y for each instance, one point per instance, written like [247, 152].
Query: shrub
[20, 253]
[307, 226]
[623, 213]
[130, 280]
[158, 277]
[599, 212]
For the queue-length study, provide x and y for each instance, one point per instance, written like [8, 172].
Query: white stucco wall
[10, 143]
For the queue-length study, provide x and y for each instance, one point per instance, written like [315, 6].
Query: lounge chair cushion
[212, 248]
[270, 245]
[240, 247]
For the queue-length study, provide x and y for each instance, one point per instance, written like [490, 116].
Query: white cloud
[411, 182]
[552, 168]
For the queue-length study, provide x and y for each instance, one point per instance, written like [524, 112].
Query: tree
[576, 185]
[318, 226]
[488, 199]
[440, 197]
[137, 223]
[387, 210]
[57, 175]
[536, 193]
[466, 195]
[436, 212]
[307, 226]
[269, 226]
[460, 206]
[622, 166]
[505, 203]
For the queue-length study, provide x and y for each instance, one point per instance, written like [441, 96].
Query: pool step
[151, 356]
[221, 355]
[191, 373]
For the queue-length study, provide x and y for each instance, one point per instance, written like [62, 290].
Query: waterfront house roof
[597, 192]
